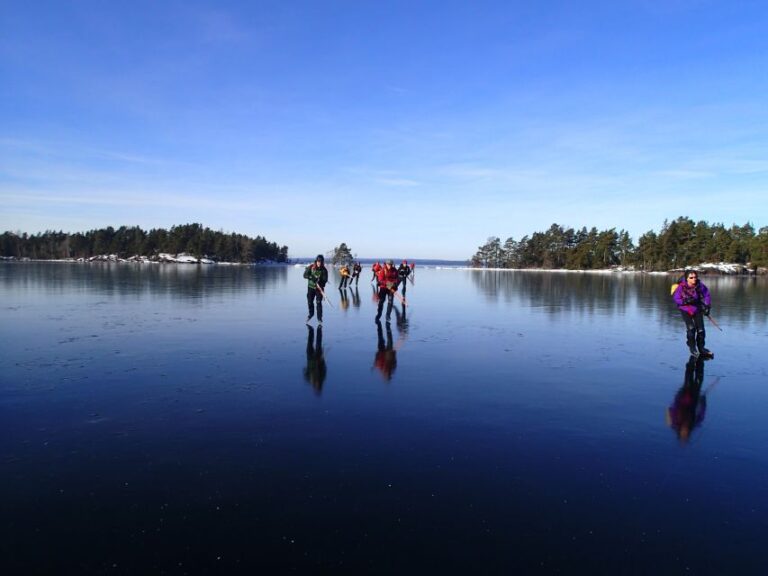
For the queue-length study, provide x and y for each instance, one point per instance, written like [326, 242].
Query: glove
[706, 308]
[689, 301]
[390, 285]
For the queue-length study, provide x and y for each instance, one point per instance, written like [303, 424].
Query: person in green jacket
[317, 277]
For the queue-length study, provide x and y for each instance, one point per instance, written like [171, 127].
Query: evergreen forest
[193, 239]
[680, 243]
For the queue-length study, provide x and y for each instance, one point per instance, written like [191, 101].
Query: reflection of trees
[176, 280]
[736, 299]
[742, 299]
[556, 291]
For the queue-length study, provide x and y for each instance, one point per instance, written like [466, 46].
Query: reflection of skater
[388, 280]
[401, 318]
[315, 371]
[344, 299]
[385, 360]
[693, 300]
[317, 277]
[355, 296]
[690, 405]
[403, 272]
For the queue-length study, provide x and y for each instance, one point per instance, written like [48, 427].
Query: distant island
[681, 243]
[181, 244]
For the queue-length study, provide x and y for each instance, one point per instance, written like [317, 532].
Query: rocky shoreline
[706, 268]
[162, 258]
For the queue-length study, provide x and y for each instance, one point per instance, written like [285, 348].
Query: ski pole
[708, 388]
[396, 293]
[715, 323]
[322, 292]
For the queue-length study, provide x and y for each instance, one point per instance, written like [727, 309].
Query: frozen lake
[173, 419]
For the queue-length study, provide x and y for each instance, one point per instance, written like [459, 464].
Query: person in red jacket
[375, 269]
[388, 280]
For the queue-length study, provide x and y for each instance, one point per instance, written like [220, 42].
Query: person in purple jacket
[694, 301]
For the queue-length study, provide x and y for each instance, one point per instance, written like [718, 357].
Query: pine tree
[342, 255]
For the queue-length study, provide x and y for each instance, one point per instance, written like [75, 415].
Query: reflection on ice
[315, 370]
[690, 404]
[385, 360]
[168, 410]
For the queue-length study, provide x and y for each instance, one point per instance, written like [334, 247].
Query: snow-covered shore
[162, 258]
[721, 268]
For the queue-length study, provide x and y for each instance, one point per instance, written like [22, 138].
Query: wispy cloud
[52, 150]
[397, 182]
[683, 174]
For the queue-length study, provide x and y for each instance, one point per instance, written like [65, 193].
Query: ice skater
[388, 281]
[317, 277]
[694, 302]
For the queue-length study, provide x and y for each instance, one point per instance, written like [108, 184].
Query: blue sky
[405, 129]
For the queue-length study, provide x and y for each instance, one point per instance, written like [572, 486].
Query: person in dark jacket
[356, 270]
[694, 302]
[403, 272]
[317, 277]
[387, 281]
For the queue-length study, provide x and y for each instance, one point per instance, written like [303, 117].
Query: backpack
[675, 285]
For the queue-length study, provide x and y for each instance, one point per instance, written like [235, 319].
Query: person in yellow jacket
[345, 275]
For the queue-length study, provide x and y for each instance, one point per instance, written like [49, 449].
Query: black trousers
[385, 294]
[695, 334]
[312, 295]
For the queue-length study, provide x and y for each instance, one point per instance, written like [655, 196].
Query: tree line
[680, 243]
[126, 241]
